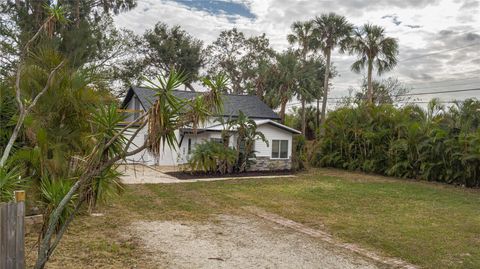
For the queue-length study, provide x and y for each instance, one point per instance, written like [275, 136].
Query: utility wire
[440, 92]
[407, 94]
[421, 83]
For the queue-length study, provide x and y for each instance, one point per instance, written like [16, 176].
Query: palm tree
[303, 36]
[331, 30]
[284, 76]
[373, 49]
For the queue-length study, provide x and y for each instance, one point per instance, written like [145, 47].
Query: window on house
[189, 145]
[280, 149]
[217, 140]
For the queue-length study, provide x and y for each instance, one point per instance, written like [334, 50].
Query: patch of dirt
[239, 242]
[183, 175]
[394, 262]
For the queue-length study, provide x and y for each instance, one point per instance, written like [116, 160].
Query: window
[217, 140]
[189, 145]
[280, 149]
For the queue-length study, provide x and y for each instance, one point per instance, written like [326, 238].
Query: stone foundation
[267, 164]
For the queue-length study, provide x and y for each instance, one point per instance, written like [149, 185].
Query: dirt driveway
[239, 242]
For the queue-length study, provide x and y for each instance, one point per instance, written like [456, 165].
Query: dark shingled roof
[250, 105]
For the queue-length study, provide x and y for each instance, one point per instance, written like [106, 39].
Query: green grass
[431, 225]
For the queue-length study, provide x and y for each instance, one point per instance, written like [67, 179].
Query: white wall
[167, 157]
[271, 133]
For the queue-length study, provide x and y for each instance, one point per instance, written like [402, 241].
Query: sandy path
[239, 242]
[143, 174]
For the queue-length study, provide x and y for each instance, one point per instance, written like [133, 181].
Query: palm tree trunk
[305, 49]
[282, 111]
[304, 120]
[77, 13]
[369, 82]
[325, 92]
[317, 119]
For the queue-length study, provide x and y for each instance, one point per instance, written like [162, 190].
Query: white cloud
[434, 19]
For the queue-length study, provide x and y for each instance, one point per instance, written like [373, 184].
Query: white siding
[272, 133]
[167, 157]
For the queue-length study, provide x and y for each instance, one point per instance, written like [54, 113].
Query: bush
[299, 156]
[212, 157]
[436, 144]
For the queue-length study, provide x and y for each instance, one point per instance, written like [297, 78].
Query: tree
[87, 38]
[284, 79]
[331, 30]
[302, 36]
[160, 50]
[373, 49]
[244, 60]
[24, 105]
[385, 91]
[247, 134]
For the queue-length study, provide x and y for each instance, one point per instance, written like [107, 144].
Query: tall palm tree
[302, 35]
[331, 30]
[374, 49]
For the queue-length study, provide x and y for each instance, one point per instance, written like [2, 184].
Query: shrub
[436, 144]
[299, 158]
[212, 157]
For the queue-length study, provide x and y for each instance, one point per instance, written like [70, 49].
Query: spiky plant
[10, 180]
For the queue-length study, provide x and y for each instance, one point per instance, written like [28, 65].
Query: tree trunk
[369, 83]
[304, 120]
[325, 92]
[317, 119]
[77, 13]
[282, 111]
[13, 137]
[305, 49]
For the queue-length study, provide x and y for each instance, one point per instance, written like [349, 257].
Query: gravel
[239, 242]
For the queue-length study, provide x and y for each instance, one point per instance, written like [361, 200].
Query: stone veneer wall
[267, 164]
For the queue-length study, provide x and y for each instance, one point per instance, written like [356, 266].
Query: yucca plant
[10, 180]
[52, 192]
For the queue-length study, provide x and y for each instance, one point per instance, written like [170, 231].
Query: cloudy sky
[439, 39]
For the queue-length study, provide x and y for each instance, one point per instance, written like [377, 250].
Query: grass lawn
[431, 225]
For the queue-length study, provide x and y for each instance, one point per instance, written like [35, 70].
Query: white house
[276, 156]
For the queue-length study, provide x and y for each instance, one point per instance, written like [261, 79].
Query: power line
[421, 83]
[437, 52]
[440, 92]
[407, 94]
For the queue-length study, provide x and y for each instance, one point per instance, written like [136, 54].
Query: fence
[12, 233]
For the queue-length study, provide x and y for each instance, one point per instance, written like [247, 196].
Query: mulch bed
[200, 175]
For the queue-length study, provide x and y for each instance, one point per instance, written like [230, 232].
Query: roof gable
[250, 105]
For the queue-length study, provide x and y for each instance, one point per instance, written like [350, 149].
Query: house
[277, 155]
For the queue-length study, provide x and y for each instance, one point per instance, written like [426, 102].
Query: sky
[439, 40]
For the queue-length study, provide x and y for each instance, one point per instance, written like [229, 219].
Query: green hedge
[436, 143]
